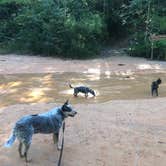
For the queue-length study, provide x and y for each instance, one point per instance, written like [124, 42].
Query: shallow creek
[34, 88]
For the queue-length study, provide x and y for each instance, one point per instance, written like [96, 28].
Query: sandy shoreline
[12, 64]
[116, 133]
[101, 134]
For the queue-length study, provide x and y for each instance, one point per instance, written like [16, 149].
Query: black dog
[46, 123]
[155, 86]
[82, 89]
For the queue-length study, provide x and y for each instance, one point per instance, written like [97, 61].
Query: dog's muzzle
[73, 114]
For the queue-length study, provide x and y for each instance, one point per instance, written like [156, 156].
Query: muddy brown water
[34, 88]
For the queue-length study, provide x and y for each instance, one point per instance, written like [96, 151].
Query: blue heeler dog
[155, 86]
[82, 89]
[46, 123]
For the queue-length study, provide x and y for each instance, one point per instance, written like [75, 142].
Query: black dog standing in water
[155, 86]
[46, 123]
[82, 89]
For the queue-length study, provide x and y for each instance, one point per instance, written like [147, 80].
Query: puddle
[34, 88]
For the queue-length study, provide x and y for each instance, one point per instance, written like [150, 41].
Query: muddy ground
[110, 133]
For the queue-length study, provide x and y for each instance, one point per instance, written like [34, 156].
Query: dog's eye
[66, 108]
[69, 110]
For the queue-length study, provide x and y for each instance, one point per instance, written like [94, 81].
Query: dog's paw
[59, 148]
[22, 156]
[28, 160]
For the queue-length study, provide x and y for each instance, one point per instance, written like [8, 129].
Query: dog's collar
[63, 115]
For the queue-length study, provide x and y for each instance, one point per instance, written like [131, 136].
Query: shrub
[49, 28]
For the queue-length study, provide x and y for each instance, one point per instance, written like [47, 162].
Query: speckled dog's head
[67, 110]
[92, 92]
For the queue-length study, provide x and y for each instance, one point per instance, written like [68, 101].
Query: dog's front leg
[55, 138]
[157, 92]
[59, 143]
[60, 138]
[152, 92]
[75, 94]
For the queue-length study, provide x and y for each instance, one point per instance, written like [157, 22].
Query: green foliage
[160, 49]
[144, 49]
[49, 28]
[15, 1]
[159, 24]
[145, 18]
[76, 28]
[40, 29]
[83, 35]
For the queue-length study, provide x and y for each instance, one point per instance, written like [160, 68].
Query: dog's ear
[159, 81]
[67, 102]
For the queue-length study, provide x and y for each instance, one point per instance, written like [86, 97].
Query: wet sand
[118, 64]
[112, 133]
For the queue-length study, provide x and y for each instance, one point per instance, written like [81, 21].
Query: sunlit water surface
[35, 88]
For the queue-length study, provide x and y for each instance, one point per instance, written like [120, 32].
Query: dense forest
[81, 28]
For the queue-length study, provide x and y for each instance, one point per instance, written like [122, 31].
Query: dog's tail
[70, 86]
[10, 141]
